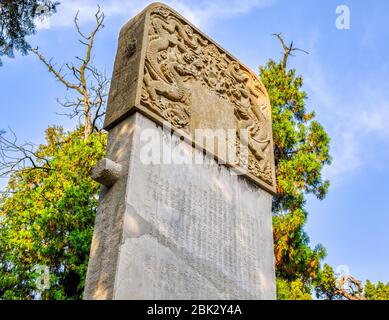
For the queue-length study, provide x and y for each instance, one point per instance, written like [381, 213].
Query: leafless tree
[14, 156]
[89, 84]
[350, 288]
[288, 49]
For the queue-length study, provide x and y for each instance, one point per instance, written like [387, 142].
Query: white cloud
[360, 126]
[202, 13]
[344, 146]
[42, 23]
[374, 119]
[346, 152]
[356, 118]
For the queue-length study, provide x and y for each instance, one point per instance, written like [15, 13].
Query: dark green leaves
[47, 219]
[301, 148]
[17, 22]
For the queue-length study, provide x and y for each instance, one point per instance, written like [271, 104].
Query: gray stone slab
[173, 222]
[195, 219]
[189, 231]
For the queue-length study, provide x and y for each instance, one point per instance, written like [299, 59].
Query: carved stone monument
[183, 216]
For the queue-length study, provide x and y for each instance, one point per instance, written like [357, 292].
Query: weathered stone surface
[107, 234]
[187, 231]
[193, 231]
[182, 229]
[106, 172]
[168, 70]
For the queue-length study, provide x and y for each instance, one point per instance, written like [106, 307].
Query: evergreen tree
[47, 211]
[17, 21]
[301, 151]
[379, 291]
[346, 287]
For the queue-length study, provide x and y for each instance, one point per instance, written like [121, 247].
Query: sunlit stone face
[171, 72]
[181, 216]
[193, 231]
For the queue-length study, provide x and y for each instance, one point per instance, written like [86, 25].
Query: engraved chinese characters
[177, 59]
[193, 232]
[182, 229]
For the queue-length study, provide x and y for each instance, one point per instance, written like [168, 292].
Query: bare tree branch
[89, 84]
[14, 156]
[57, 73]
[350, 288]
[86, 101]
[288, 50]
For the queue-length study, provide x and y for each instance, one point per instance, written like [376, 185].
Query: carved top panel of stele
[171, 72]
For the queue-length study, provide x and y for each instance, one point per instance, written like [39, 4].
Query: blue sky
[346, 77]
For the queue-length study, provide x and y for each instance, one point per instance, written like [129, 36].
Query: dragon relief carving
[175, 55]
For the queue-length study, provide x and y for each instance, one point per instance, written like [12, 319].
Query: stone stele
[178, 229]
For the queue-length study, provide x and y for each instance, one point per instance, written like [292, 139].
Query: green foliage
[47, 218]
[47, 214]
[301, 151]
[301, 148]
[327, 287]
[294, 290]
[379, 291]
[17, 22]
